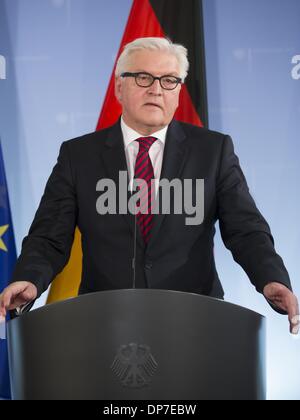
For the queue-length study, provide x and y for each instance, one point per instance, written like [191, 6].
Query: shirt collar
[129, 135]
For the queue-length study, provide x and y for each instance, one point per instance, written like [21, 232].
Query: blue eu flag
[7, 262]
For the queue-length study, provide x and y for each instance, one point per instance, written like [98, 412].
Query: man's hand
[280, 296]
[15, 295]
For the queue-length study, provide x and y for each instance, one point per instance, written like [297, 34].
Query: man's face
[147, 110]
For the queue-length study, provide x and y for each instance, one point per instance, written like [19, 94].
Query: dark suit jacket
[178, 257]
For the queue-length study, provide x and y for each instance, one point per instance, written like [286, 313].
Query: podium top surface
[140, 295]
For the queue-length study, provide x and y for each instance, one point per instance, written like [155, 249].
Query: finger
[1, 298]
[29, 294]
[288, 302]
[294, 318]
[295, 325]
[9, 297]
[5, 302]
[2, 311]
[16, 302]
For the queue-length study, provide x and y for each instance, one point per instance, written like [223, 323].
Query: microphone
[133, 262]
[20, 310]
[134, 252]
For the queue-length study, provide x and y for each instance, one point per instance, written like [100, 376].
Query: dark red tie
[144, 170]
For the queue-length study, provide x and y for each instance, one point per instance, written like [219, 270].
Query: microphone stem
[134, 253]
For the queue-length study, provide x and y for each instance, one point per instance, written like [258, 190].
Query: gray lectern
[138, 344]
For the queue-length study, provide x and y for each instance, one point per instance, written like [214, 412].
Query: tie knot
[146, 142]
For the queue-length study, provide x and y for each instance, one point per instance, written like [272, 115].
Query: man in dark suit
[148, 144]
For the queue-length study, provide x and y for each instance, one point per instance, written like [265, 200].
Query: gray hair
[154, 44]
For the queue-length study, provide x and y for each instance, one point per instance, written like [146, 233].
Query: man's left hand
[280, 296]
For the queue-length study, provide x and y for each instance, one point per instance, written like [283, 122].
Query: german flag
[182, 22]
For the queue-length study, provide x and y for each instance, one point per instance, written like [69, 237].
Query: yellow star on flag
[3, 229]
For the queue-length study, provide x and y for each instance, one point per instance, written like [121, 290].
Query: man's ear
[118, 89]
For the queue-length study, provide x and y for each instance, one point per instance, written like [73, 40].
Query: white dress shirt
[156, 151]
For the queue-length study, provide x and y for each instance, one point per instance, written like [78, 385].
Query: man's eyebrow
[171, 73]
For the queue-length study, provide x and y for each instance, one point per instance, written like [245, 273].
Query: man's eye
[144, 77]
[169, 80]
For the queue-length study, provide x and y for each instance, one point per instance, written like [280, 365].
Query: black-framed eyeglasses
[145, 80]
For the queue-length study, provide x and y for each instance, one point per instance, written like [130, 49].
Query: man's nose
[155, 88]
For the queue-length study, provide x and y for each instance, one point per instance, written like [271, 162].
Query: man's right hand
[16, 294]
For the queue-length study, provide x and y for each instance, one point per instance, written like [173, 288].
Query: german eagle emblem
[134, 365]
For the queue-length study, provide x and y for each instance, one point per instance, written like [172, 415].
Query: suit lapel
[174, 158]
[114, 160]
